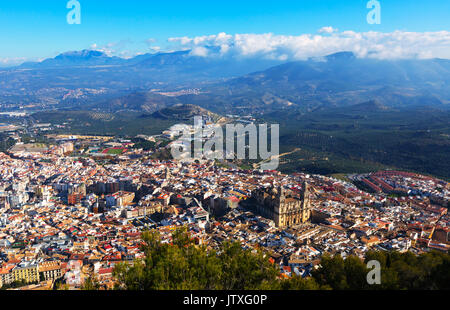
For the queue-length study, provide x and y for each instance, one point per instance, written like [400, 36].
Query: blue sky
[32, 29]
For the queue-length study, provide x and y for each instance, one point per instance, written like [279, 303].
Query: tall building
[26, 271]
[4, 203]
[167, 175]
[282, 206]
[50, 270]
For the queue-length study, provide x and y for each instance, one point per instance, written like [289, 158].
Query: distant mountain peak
[184, 112]
[341, 56]
[369, 106]
[78, 59]
[84, 54]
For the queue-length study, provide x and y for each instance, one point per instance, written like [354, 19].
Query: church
[282, 206]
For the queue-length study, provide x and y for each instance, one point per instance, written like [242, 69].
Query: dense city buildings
[68, 212]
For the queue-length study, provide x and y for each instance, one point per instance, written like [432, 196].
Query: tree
[91, 284]
[245, 270]
[297, 283]
[331, 272]
[183, 265]
[355, 273]
[440, 275]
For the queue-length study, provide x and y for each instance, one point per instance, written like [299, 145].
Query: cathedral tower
[306, 203]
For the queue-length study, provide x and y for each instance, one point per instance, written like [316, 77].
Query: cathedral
[284, 208]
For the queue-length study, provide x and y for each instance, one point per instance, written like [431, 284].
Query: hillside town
[77, 208]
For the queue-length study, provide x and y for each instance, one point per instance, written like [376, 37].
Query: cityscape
[76, 208]
[225, 154]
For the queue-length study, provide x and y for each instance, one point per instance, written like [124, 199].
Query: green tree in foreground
[183, 265]
[91, 284]
[399, 271]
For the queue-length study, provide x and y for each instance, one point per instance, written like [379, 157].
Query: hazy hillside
[184, 112]
[121, 123]
[338, 80]
[93, 80]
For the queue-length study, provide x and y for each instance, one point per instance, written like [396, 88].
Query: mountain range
[337, 113]
[339, 80]
[93, 80]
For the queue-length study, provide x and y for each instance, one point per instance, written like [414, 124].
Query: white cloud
[393, 45]
[328, 40]
[150, 45]
[108, 49]
[11, 61]
[328, 29]
[199, 51]
[113, 48]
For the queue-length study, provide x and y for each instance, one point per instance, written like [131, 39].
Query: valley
[345, 114]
